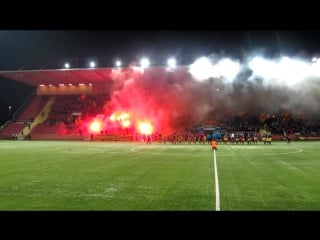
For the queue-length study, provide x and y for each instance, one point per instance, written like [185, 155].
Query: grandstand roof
[73, 76]
[58, 76]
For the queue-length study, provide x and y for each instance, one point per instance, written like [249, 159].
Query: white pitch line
[216, 181]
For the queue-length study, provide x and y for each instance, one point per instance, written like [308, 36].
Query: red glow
[119, 116]
[137, 105]
[145, 128]
[112, 117]
[126, 123]
[95, 126]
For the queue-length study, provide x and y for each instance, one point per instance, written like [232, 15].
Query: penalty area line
[216, 180]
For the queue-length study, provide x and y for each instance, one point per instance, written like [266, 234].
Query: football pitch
[89, 175]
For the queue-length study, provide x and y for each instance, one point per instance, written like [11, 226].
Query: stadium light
[144, 62]
[118, 63]
[92, 64]
[66, 65]
[171, 63]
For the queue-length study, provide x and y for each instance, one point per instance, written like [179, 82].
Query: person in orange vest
[214, 145]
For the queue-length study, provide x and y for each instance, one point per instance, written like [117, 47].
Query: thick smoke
[182, 97]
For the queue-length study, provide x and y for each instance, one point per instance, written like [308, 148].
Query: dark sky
[38, 49]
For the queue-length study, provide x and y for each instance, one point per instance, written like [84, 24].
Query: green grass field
[62, 175]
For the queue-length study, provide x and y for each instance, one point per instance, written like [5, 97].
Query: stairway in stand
[41, 117]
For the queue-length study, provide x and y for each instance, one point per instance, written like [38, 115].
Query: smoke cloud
[212, 88]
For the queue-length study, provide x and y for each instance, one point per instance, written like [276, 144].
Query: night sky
[38, 49]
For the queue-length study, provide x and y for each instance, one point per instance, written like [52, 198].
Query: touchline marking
[216, 181]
